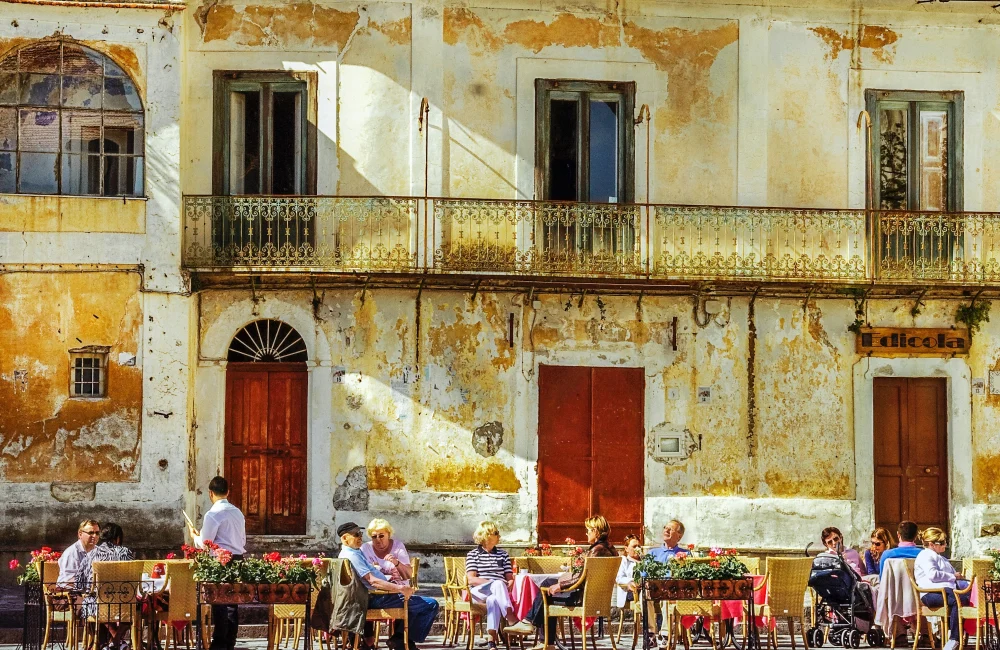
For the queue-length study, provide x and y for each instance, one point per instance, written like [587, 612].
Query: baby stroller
[845, 612]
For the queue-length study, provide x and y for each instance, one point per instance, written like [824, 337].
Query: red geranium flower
[171, 555]
[690, 547]
[273, 556]
[14, 565]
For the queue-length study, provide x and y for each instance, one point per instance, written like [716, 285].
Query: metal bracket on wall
[475, 289]
[364, 289]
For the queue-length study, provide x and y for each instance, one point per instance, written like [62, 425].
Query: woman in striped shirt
[491, 578]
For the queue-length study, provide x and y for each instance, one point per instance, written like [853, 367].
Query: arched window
[71, 122]
[267, 341]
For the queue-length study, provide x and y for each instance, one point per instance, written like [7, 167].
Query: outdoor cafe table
[527, 589]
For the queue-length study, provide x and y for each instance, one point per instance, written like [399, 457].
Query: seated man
[422, 611]
[906, 534]
[72, 558]
[672, 534]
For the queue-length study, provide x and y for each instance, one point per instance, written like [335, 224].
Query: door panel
[911, 465]
[266, 406]
[564, 460]
[619, 447]
[591, 449]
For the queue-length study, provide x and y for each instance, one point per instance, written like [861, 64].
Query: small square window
[88, 373]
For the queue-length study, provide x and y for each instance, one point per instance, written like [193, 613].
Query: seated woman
[624, 584]
[387, 553]
[597, 534]
[490, 577]
[932, 571]
[109, 549]
[833, 540]
[880, 542]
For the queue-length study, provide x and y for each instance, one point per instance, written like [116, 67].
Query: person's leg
[226, 620]
[954, 628]
[422, 612]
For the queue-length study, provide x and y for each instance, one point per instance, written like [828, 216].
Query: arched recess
[266, 426]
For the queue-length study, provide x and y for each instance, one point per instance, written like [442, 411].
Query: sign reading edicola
[913, 341]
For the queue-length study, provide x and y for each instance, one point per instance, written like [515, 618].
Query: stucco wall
[406, 420]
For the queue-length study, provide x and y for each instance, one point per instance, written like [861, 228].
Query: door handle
[927, 470]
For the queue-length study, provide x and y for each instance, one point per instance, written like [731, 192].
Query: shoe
[411, 645]
[559, 645]
[394, 643]
[521, 628]
[491, 645]
[901, 641]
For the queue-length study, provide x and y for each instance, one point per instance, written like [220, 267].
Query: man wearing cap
[422, 611]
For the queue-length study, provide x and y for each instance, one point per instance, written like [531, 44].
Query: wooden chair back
[599, 575]
[787, 581]
[544, 563]
[414, 570]
[752, 563]
[183, 604]
[458, 571]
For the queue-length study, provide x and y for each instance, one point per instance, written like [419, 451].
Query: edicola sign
[913, 341]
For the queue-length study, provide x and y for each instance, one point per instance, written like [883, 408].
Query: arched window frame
[72, 123]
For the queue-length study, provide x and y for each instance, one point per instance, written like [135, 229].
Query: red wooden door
[266, 405]
[591, 443]
[911, 465]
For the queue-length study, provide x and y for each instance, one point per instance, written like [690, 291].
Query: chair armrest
[967, 589]
[761, 585]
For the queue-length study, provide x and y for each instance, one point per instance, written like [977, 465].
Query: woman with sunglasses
[932, 570]
[880, 543]
[387, 553]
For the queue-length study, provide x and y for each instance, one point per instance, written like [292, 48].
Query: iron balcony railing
[563, 239]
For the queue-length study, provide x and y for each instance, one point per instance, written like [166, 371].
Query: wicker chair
[752, 564]
[597, 581]
[450, 622]
[923, 611]
[977, 570]
[787, 580]
[115, 588]
[543, 563]
[183, 603]
[472, 609]
[635, 606]
[59, 606]
[414, 582]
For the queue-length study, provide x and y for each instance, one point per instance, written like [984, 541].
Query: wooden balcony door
[591, 450]
[911, 463]
[266, 406]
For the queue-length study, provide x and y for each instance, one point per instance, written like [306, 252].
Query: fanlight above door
[268, 341]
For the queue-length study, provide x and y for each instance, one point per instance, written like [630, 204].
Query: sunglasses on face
[380, 536]
[91, 532]
[877, 543]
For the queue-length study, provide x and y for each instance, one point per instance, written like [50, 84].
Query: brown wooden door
[911, 464]
[266, 405]
[591, 450]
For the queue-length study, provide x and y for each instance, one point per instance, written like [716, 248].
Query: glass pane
[78, 60]
[563, 150]
[123, 175]
[81, 174]
[111, 69]
[40, 89]
[42, 57]
[604, 151]
[38, 173]
[81, 131]
[120, 95]
[7, 172]
[933, 160]
[286, 143]
[39, 130]
[81, 92]
[244, 143]
[892, 158]
[8, 89]
[125, 130]
[8, 129]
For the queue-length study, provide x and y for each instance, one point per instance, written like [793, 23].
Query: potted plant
[269, 579]
[724, 578]
[991, 587]
[719, 576]
[32, 571]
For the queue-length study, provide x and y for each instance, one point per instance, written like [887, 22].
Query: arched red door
[266, 427]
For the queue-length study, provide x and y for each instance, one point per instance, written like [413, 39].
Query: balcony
[641, 244]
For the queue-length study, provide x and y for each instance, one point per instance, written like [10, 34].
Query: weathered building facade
[441, 261]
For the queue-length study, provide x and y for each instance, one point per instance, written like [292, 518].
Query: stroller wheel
[836, 637]
[876, 638]
[815, 637]
[852, 639]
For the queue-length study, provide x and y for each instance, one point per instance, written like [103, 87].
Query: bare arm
[385, 585]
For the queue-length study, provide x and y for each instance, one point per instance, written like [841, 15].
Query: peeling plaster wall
[104, 271]
[398, 436]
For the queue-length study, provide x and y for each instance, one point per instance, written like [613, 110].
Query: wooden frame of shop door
[911, 451]
[266, 444]
[591, 450]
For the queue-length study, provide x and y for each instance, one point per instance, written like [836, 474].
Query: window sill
[62, 213]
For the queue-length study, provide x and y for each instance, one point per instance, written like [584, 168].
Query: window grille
[88, 374]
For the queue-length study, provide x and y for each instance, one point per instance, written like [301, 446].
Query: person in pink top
[833, 540]
[387, 553]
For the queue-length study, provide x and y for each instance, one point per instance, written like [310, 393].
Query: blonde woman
[933, 571]
[387, 553]
[491, 578]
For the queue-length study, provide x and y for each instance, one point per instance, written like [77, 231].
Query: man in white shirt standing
[72, 557]
[224, 525]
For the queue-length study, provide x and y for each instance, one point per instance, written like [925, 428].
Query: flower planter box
[739, 589]
[991, 591]
[240, 593]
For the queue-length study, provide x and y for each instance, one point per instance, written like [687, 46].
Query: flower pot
[672, 589]
[225, 593]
